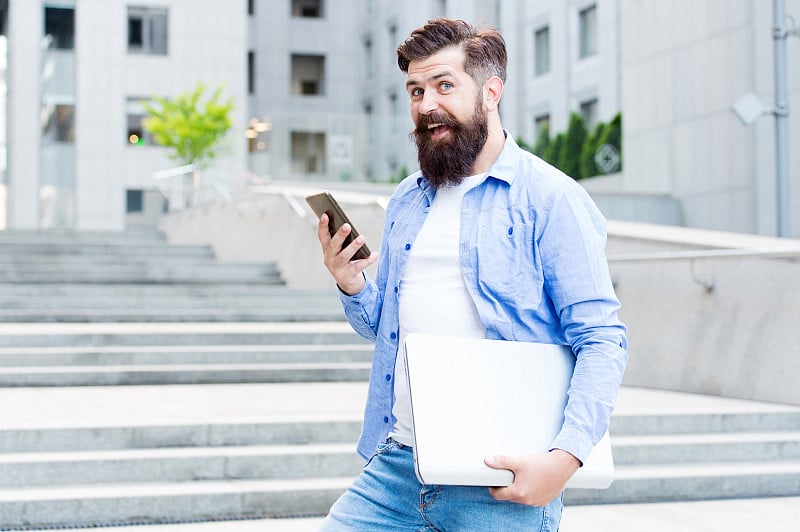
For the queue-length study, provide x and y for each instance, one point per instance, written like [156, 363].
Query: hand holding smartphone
[325, 203]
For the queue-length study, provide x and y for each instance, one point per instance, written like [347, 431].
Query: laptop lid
[473, 398]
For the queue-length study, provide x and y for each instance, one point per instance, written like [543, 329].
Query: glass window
[307, 8]
[136, 134]
[147, 30]
[308, 73]
[589, 113]
[588, 31]
[251, 72]
[58, 122]
[59, 27]
[134, 201]
[308, 152]
[541, 46]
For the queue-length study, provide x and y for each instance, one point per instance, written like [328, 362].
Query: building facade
[319, 97]
[76, 75]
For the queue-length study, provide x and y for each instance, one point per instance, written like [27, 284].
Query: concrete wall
[739, 340]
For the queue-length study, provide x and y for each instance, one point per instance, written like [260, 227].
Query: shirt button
[408, 246]
[388, 377]
[393, 336]
[395, 289]
[385, 419]
[510, 230]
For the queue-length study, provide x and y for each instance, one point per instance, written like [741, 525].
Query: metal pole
[780, 34]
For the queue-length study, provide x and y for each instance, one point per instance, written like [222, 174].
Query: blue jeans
[388, 497]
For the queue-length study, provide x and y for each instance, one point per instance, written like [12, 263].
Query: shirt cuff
[354, 302]
[574, 442]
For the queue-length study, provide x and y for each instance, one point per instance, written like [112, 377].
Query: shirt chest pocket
[508, 265]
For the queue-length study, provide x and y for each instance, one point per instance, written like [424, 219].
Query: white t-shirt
[433, 297]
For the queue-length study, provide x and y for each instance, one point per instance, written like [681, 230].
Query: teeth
[434, 126]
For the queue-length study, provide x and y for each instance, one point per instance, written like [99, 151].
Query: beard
[447, 161]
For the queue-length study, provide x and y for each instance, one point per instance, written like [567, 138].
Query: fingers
[322, 230]
[502, 462]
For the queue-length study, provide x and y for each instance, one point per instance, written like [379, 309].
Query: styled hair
[484, 47]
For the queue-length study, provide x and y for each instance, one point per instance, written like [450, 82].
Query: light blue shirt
[532, 252]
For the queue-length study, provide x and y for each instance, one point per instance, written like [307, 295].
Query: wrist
[567, 459]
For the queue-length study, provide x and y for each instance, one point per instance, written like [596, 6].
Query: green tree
[542, 141]
[553, 150]
[190, 125]
[590, 145]
[570, 151]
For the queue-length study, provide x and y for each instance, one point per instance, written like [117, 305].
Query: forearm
[363, 308]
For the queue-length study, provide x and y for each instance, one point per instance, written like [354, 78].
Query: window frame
[150, 18]
[540, 69]
[587, 32]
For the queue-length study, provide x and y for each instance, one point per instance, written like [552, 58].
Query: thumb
[501, 462]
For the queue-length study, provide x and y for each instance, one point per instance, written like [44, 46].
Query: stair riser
[179, 469]
[712, 452]
[151, 437]
[636, 425]
[155, 509]
[176, 316]
[689, 488]
[320, 355]
[184, 377]
[187, 339]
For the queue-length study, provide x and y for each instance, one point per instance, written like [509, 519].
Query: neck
[491, 150]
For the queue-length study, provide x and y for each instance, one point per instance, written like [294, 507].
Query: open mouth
[438, 130]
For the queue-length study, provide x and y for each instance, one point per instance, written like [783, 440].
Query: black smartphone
[325, 203]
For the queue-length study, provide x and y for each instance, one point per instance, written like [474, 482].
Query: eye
[416, 92]
[445, 85]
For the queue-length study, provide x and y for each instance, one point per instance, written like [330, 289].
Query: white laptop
[476, 398]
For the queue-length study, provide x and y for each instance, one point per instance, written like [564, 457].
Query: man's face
[450, 122]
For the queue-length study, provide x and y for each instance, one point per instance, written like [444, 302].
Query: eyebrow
[445, 74]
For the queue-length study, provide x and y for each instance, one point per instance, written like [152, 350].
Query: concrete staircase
[95, 431]
[139, 277]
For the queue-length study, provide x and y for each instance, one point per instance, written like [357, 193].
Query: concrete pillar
[24, 131]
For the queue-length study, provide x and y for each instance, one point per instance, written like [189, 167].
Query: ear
[492, 91]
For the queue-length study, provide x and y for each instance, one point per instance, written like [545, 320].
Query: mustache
[424, 121]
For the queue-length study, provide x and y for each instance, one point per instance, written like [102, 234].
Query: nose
[428, 103]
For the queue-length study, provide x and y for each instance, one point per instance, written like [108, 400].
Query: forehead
[447, 61]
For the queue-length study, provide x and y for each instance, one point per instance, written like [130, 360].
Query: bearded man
[484, 241]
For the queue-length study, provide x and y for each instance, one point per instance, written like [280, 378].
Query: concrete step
[176, 314]
[78, 237]
[695, 481]
[125, 249]
[713, 421]
[714, 447]
[67, 292]
[142, 273]
[183, 374]
[340, 428]
[182, 354]
[178, 464]
[108, 504]
[175, 334]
